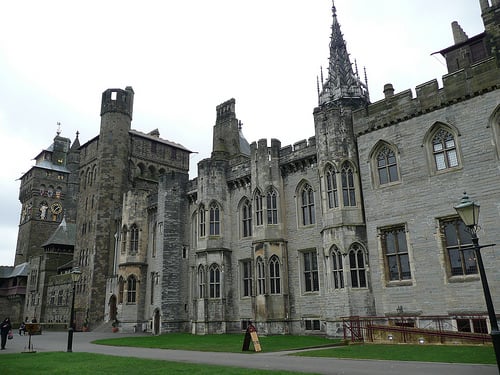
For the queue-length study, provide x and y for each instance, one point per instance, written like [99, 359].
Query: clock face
[56, 208]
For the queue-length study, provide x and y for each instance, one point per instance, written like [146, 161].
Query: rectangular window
[395, 250]
[247, 278]
[311, 276]
[476, 325]
[463, 325]
[479, 326]
[312, 325]
[458, 243]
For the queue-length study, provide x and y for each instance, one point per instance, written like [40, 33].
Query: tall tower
[340, 95]
[104, 179]
[343, 228]
[42, 194]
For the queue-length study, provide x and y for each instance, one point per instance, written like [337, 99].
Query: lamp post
[469, 213]
[75, 276]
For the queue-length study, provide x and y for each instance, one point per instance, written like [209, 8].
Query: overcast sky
[183, 58]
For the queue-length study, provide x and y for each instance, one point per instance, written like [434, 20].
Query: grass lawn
[405, 352]
[232, 343]
[229, 343]
[61, 363]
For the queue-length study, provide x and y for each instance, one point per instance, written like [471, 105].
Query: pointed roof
[65, 234]
[76, 142]
[342, 81]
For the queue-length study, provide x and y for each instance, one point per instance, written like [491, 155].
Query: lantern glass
[468, 211]
[75, 274]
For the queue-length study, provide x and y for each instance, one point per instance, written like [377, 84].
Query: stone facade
[357, 220]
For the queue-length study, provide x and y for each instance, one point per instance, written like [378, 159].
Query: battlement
[226, 109]
[261, 149]
[301, 152]
[118, 100]
[479, 78]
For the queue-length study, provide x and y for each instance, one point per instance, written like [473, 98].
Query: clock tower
[43, 193]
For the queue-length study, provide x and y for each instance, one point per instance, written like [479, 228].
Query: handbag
[10, 335]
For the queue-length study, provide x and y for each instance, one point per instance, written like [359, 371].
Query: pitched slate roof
[65, 234]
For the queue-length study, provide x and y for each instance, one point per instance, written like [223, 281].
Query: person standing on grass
[5, 328]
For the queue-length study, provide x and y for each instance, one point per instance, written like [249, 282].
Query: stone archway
[156, 322]
[112, 308]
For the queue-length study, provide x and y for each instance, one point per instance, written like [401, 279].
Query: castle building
[357, 220]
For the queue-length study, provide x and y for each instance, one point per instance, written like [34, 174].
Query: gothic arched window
[131, 289]
[214, 220]
[337, 268]
[331, 188]
[307, 205]
[274, 275]
[261, 276]
[134, 239]
[246, 214]
[348, 187]
[214, 281]
[357, 266]
[272, 207]
[259, 220]
[444, 150]
[387, 166]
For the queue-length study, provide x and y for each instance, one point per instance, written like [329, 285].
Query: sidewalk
[57, 341]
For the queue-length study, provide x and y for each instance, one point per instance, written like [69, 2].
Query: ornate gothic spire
[342, 81]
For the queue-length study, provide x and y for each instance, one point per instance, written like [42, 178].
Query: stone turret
[491, 20]
[228, 141]
[107, 178]
[117, 100]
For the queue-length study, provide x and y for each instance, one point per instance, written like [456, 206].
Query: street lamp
[75, 276]
[469, 213]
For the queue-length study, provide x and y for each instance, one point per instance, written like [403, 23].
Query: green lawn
[229, 343]
[405, 352]
[232, 343]
[62, 363]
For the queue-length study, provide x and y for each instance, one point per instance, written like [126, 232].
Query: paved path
[57, 341]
